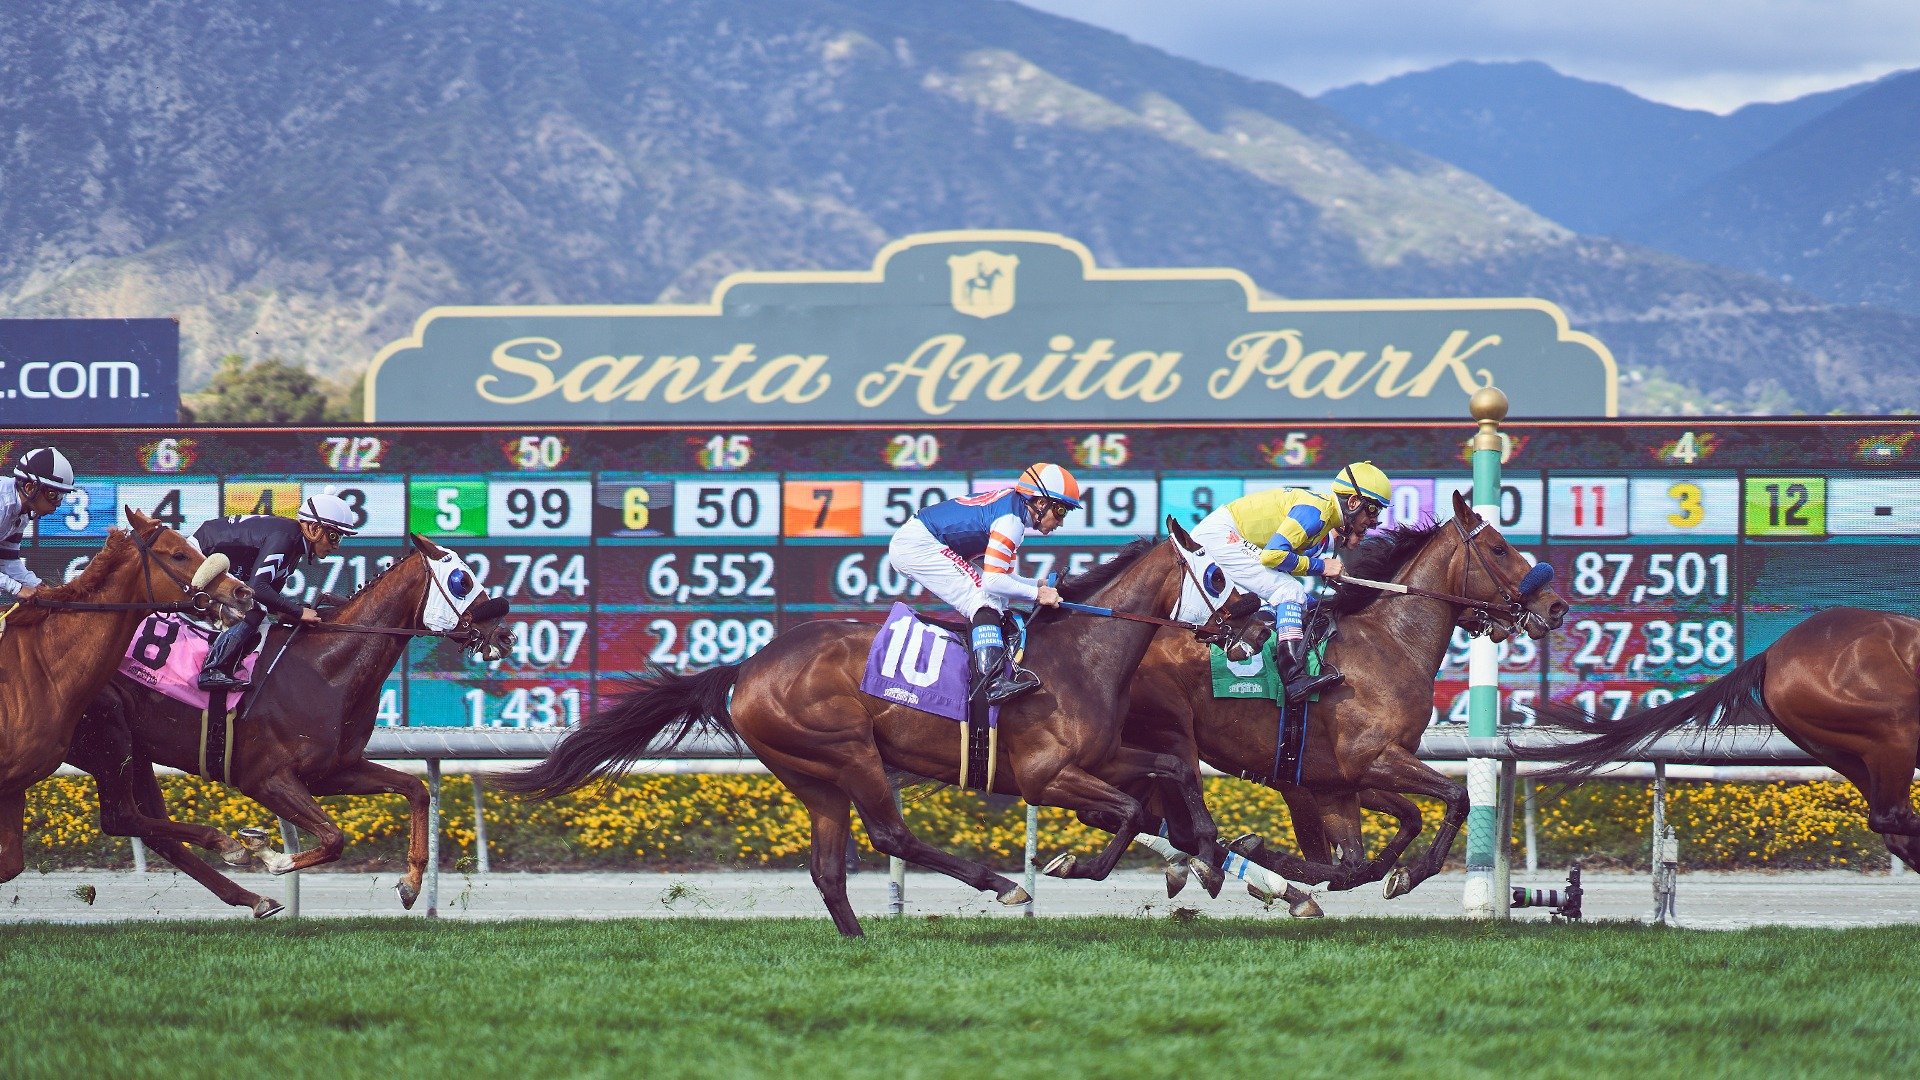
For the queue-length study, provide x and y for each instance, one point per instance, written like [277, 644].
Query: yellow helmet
[1364, 478]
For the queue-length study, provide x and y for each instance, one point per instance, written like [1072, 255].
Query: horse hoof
[1017, 897]
[1399, 883]
[252, 839]
[408, 894]
[267, 907]
[1061, 866]
[1302, 905]
[236, 856]
[1261, 894]
[1211, 879]
[1247, 845]
[276, 862]
[1176, 878]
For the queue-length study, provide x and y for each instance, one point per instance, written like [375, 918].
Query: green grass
[953, 997]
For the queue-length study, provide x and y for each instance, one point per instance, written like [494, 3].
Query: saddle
[165, 656]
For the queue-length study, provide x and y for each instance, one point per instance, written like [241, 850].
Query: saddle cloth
[166, 654]
[919, 665]
[1258, 677]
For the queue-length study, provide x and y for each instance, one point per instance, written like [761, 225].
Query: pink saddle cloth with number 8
[166, 655]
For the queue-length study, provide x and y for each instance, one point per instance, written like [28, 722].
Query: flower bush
[752, 821]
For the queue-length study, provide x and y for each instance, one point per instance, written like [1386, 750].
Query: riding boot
[229, 648]
[1001, 681]
[1293, 671]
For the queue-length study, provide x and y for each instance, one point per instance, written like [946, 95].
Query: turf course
[953, 997]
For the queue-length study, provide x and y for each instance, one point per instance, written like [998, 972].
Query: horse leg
[827, 806]
[1889, 792]
[1398, 771]
[1309, 835]
[367, 778]
[1100, 804]
[865, 783]
[131, 804]
[281, 793]
[1407, 815]
[13, 830]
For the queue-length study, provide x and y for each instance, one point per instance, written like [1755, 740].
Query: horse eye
[1499, 549]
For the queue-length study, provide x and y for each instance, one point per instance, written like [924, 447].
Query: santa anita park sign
[965, 326]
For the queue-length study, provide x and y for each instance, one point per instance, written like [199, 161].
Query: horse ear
[142, 524]
[1463, 509]
[426, 547]
[1180, 535]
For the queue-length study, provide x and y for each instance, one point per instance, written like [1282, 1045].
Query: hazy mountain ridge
[305, 180]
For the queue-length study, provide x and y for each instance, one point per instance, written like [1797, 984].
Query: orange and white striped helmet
[1046, 480]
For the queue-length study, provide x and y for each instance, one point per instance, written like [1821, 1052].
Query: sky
[1703, 54]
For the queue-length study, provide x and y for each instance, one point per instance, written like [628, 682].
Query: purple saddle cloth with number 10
[921, 666]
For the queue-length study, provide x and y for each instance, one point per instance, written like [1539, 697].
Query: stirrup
[220, 680]
[1005, 688]
[1307, 686]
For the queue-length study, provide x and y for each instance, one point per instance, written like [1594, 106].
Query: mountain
[303, 180]
[1833, 208]
[1586, 154]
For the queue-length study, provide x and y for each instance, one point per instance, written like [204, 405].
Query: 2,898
[708, 641]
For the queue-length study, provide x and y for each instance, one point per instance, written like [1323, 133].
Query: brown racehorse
[1844, 686]
[55, 653]
[798, 706]
[304, 735]
[1363, 736]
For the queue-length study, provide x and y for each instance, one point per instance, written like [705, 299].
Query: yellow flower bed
[753, 821]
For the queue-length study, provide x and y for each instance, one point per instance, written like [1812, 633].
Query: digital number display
[1682, 546]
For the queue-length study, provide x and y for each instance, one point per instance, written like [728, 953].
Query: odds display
[1683, 548]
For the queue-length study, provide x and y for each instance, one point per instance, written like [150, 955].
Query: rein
[199, 600]
[1109, 613]
[1510, 610]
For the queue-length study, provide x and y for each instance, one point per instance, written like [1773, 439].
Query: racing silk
[14, 573]
[1292, 525]
[263, 550]
[989, 527]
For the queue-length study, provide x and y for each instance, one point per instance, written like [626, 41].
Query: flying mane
[116, 553]
[1379, 557]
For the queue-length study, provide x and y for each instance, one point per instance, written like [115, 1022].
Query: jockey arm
[272, 569]
[1002, 555]
[15, 574]
[1298, 545]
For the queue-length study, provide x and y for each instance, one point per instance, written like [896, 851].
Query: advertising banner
[63, 372]
[987, 326]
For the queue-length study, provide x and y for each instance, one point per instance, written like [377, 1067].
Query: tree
[272, 391]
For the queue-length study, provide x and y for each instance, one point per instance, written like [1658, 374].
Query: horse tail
[620, 734]
[1733, 699]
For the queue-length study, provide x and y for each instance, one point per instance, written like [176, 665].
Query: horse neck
[1109, 651]
[1421, 624]
[393, 601]
[83, 648]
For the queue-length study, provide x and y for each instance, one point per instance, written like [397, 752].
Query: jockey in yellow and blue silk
[1265, 542]
[937, 546]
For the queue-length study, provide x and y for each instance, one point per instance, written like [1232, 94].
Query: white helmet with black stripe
[45, 466]
[329, 511]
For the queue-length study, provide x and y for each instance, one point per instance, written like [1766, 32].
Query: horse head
[456, 603]
[1518, 595]
[185, 575]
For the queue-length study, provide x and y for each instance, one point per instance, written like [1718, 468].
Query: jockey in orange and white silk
[1263, 540]
[937, 548]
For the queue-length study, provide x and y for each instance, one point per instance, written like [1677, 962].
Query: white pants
[1240, 561]
[940, 570]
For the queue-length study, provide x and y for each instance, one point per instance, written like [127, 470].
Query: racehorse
[58, 648]
[1363, 735]
[1844, 686]
[798, 706]
[303, 734]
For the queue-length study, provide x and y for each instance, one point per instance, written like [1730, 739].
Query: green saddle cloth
[1257, 677]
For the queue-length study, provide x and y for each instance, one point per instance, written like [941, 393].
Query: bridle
[465, 631]
[198, 601]
[1497, 620]
[1217, 629]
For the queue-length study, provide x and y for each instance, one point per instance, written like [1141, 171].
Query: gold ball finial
[1488, 404]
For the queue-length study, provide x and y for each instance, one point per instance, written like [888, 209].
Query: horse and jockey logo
[983, 283]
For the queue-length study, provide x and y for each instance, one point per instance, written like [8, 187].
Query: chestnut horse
[797, 704]
[58, 648]
[1844, 686]
[304, 734]
[1363, 736]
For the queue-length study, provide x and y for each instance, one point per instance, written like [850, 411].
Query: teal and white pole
[1489, 407]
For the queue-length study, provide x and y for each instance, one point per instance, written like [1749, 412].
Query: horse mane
[1083, 585]
[117, 552]
[1379, 557]
[374, 580]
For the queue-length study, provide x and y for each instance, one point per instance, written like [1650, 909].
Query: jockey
[40, 484]
[264, 551]
[936, 545]
[1261, 541]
